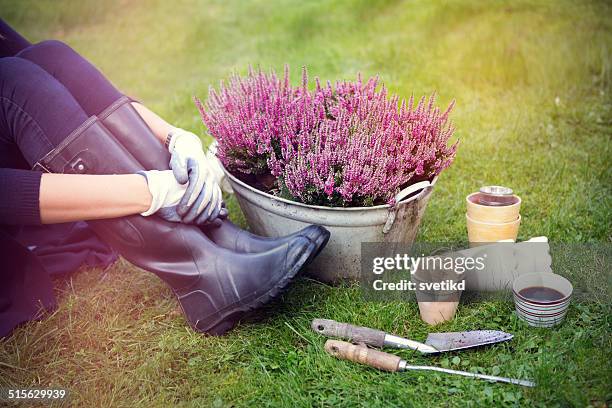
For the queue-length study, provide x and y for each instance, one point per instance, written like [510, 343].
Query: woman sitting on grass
[74, 148]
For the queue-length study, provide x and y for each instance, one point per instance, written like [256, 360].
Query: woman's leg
[11, 41]
[85, 82]
[37, 112]
[215, 287]
[99, 97]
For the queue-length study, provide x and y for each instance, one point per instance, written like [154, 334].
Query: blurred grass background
[532, 81]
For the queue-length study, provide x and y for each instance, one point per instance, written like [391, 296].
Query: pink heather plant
[344, 145]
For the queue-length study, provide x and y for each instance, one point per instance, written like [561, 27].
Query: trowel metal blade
[467, 339]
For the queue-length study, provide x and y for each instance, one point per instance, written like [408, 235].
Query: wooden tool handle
[355, 334]
[363, 355]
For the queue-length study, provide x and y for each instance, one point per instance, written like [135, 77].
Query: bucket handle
[411, 189]
[399, 197]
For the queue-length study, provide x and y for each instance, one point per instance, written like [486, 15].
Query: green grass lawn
[532, 81]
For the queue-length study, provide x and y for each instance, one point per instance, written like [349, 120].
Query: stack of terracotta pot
[493, 214]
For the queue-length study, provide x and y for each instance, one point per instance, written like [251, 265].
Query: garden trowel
[390, 362]
[435, 342]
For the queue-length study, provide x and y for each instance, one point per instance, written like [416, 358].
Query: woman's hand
[202, 202]
[166, 193]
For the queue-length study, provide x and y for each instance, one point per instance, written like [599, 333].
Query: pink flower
[329, 185]
[350, 141]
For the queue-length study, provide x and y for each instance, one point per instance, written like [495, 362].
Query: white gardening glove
[203, 201]
[217, 169]
[166, 193]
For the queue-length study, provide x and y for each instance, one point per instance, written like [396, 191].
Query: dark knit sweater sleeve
[19, 197]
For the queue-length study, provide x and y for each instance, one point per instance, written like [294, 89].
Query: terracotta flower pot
[434, 313]
[480, 231]
[492, 214]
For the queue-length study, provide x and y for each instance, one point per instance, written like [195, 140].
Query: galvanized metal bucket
[272, 216]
